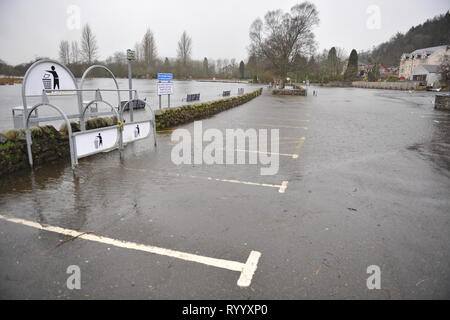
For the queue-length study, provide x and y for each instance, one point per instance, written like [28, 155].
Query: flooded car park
[369, 186]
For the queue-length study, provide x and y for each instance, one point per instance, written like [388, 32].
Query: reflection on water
[11, 96]
[438, 149]
[48, 195]
[56, 195]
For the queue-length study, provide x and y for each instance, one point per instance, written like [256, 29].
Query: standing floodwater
[370, 186]
[10, 96]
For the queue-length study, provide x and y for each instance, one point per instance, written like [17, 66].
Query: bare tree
[149, 52]
[64, 52]
[342, 57]
[211, 68]
[138, 51]
[219, 65]
[88, 45]
[332, 63]
[75, 52]
[205, 71]
[184, 51]
[284, 36]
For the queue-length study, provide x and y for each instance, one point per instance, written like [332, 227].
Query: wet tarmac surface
[370, 186]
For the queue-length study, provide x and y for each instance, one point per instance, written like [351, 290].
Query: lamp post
[131, 56]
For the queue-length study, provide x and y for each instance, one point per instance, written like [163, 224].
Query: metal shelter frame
[78, 91]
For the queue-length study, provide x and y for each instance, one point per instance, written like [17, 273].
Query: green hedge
[176, 116]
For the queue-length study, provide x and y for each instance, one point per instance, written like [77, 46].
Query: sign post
[44, 77]
[131, 56]
[165, 86]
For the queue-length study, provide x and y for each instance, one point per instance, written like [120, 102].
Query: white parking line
[247, 269]
[293, 156]
[273, 125]
[281, 188]
[288, 120]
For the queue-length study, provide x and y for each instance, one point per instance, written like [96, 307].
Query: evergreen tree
[374, 74]
[167, 65]
[332, 63]
[205, 67]
[352, 68]
[312, 70]
[242, 69]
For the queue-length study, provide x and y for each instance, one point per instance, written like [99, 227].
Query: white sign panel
[135, 131]
[165, 88]
[131, 55]
[95, 141]
[48, 76]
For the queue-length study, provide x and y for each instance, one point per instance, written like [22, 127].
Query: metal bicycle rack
[151, 122]
[38, 82]
[28, 135]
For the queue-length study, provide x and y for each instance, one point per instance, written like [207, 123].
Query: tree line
[79, 55]
[147, 62]
[434, 32]
[282, 45]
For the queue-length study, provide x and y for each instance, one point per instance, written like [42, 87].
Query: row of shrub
[289, 92]
[176, 116]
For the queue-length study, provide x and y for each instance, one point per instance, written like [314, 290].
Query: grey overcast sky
[219, 29]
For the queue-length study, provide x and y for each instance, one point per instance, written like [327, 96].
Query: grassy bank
[10, 81]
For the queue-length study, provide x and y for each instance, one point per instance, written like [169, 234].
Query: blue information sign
[165, 77]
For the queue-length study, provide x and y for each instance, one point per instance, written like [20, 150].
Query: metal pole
[130, 86]
[168, 100]
[160, 102]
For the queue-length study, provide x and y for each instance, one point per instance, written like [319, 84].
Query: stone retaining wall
[401, 85]
[442, 102]
[49, 145]
[171, 117]
[297, 91]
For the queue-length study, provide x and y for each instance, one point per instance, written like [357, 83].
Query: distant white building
[427, 72]
[424, 64]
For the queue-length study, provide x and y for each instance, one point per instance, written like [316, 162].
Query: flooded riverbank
[11, 96]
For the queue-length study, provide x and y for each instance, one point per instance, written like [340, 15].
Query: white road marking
[273, 125]
[293, 156]
[287, 120]
[281, 188]
[300, 144]
[247, 270]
